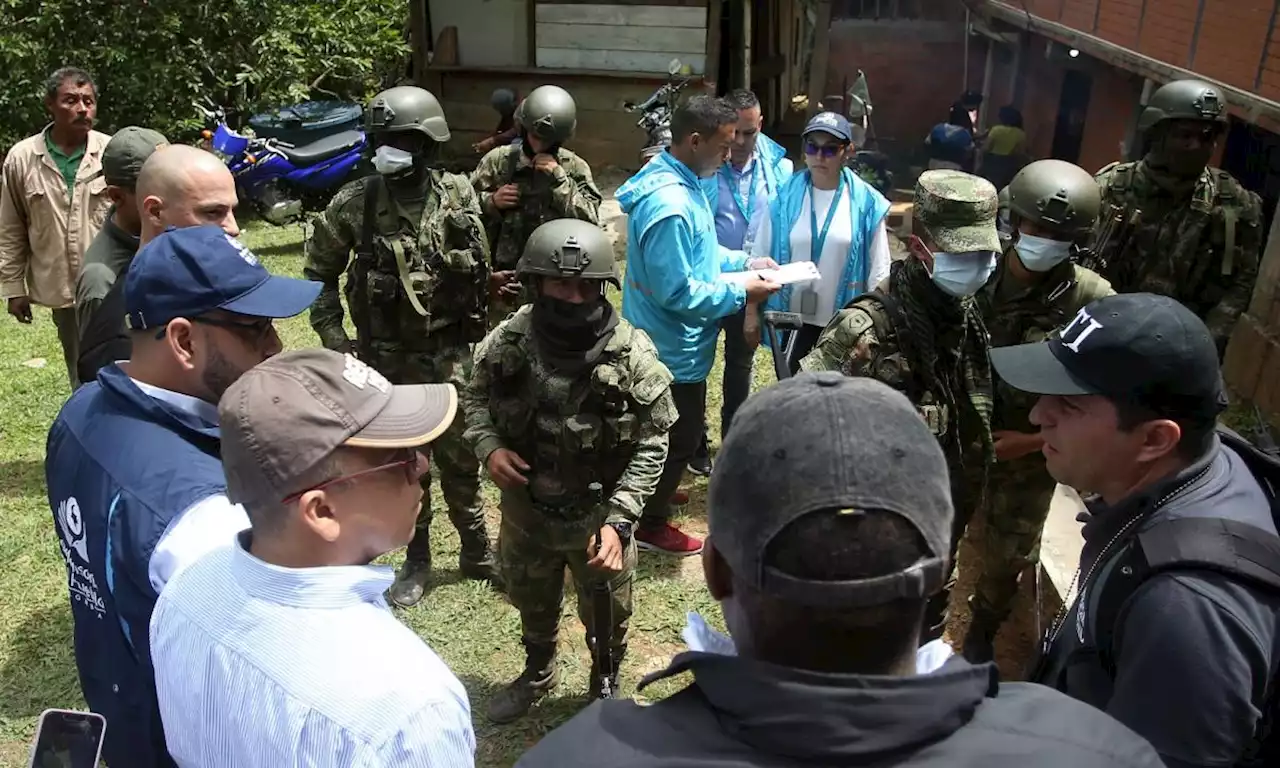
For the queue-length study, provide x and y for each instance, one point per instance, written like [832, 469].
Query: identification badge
[809, 303]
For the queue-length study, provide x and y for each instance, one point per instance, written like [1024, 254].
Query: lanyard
[818, 240]
[735, 186]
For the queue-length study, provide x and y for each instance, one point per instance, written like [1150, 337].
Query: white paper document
[795, 272]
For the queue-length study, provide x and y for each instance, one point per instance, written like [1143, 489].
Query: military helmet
[1056, 195]
[1003, 223]
[569, 248]
[1184, 100]
[549, 113]
[407, 108]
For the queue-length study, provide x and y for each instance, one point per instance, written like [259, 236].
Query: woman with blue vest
[829, 216]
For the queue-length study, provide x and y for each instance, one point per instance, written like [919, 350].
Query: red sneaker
[679, 498]
[667, 539]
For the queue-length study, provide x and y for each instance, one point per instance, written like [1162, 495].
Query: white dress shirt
[208, 524]
[259, 666]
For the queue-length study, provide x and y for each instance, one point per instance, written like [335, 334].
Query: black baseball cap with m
[1140, 348]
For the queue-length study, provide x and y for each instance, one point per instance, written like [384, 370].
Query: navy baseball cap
[191, 271]
[1142, 348]
[832, 123]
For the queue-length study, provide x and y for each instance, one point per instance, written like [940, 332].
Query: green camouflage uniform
[608, 425]
[442, 239]
[1202, 249]
[923, 342]
[1021, 489]
[549, 114]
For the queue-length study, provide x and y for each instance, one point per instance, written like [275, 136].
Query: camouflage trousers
[534, 551]
[1016, 508]
[451, 455]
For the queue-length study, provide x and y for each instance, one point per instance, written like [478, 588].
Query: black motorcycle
[655, 117]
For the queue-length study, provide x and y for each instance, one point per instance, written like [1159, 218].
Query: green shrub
[152, 58]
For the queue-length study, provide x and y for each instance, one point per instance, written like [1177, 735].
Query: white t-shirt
[835, 252]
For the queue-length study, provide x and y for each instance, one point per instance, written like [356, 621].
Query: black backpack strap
[105, 338]
[898, 319]
[372, 190]
[1229, 547]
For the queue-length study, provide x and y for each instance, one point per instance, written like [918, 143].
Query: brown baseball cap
[287, 414]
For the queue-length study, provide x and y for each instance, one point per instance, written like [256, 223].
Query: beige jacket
[43, 234]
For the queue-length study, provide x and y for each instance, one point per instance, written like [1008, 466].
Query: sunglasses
[406, 461]
[825, 150]
[255, 331]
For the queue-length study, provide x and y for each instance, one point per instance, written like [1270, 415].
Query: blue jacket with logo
[119, 466]
[673, 289]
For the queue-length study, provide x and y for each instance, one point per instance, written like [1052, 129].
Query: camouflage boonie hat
[958, 210]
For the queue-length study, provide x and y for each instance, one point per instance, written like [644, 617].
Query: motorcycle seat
[323, 149]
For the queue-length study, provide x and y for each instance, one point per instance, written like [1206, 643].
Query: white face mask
[389, 161]
[1040, 254]
[962, 274]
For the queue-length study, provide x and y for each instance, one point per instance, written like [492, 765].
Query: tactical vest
[572, 431]
[509, 230]
[419, 287]
[1213, 203]
[899, 371]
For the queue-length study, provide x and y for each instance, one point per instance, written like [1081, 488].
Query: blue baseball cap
[830, 122]
[191, 271]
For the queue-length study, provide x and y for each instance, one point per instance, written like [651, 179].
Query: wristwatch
[623, 530]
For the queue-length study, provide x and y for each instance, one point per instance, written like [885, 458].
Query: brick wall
[915, 70]
[1113, 99]
[1225, 39]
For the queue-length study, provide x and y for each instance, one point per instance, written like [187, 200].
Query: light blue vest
[867, 208]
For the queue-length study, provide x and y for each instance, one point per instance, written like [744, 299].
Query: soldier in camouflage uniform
[531, 182]
[418, 292]
[923, 335]
[1174, 226]
[1037, 289]
[564, 394]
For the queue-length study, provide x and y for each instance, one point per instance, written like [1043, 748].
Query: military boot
[411, 583]
[476, 561]
[539, 677]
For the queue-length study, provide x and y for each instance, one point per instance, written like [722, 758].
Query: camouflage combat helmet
[407, 108]
[1056, 195]
[1184, 100]
[549, 113]
[569, 248]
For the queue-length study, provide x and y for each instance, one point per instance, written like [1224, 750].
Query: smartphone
[68, 739]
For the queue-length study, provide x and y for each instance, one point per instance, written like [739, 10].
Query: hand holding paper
[795, 272]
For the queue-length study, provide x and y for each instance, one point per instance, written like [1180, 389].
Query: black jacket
[105, 339]
[1192, 650]
[743, 712]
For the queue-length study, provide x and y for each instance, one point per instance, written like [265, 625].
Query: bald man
[179, 186]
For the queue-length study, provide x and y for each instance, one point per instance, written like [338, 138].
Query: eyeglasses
[407, 462]
[826, 150]
[255, 331]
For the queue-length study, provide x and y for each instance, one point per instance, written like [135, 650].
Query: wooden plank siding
[629, 38]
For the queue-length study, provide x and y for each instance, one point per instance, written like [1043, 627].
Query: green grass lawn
[472, 628]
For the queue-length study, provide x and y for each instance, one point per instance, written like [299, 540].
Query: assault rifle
[601, 610]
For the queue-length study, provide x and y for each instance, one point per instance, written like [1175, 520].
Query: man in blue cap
[133, 469]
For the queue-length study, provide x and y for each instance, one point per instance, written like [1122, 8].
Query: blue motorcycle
[282, 181]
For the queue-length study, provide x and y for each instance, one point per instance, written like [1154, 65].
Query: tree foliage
[152, 58]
